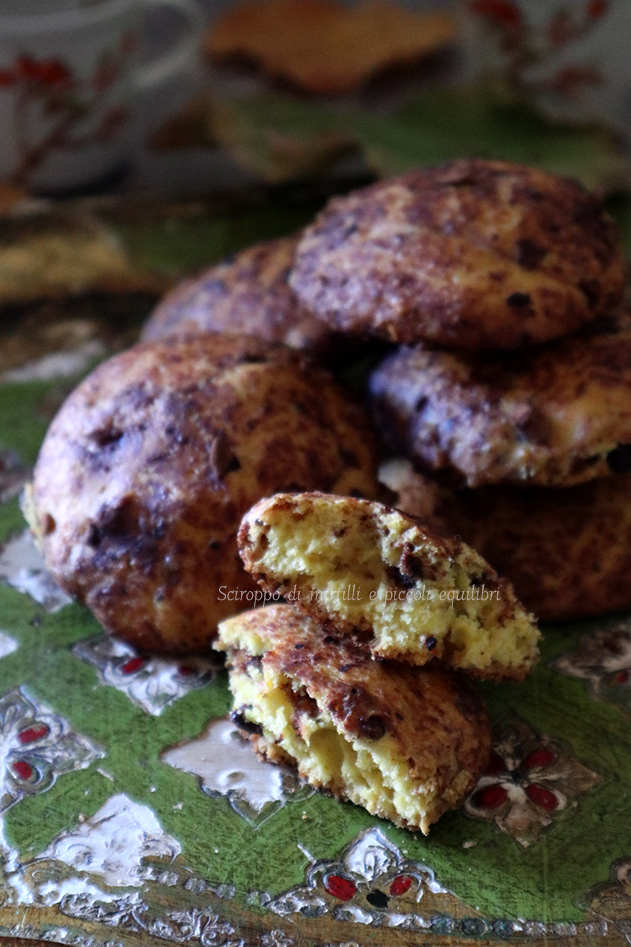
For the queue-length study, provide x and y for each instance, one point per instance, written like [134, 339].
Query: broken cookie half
[390, 582]
[406, 743]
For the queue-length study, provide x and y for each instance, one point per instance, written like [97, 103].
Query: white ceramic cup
[570, 57]
[69, 80]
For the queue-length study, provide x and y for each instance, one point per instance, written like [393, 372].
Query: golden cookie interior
[389, 581]
[405, 743]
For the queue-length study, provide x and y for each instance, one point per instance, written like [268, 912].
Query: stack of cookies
[510, 390]
[356, 676]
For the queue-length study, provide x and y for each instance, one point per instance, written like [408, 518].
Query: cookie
[150, 464]
[249, 294]
[473, 254]
[557, 415]
[388, 582]
[405, 743]
[566, 552]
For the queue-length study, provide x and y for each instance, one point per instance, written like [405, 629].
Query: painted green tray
[132, 812]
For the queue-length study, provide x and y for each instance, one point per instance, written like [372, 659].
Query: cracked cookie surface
[406, 743]
[473, 254]
[150, 464]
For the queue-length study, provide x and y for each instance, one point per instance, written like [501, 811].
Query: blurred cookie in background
[248, 293]
[325, 47]
[567, 552]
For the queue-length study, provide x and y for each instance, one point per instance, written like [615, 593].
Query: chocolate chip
[246, 725]
[411, 564]
[349, 457]
[373, 728]
[619, 460]
[399, 578]
[529, 254]
[591, 291]
[222, 457]
[517, 300]
[106, 437]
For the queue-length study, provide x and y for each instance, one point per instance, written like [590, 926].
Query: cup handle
[176, 59]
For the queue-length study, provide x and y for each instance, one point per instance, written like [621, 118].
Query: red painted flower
[529, 781]
[491, 797]
[400, 885]
[133, 665]
[342, 888]
[23, 770]
[7, 78]
[572, 80]
[32, 734]
[597, 8]
[542, 797]
[503, 12]
[27, 68]
[54, 72]
[50, 72]
[539, 758]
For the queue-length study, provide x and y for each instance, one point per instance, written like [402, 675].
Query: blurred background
[288, 90]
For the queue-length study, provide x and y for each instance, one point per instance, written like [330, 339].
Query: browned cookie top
[475, 254]
[151, 462]
[247, 293]
[555, 415]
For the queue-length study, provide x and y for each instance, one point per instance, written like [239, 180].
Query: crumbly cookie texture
[557, 415]
[406, 743]
[566, 552]
[473, 254]
[150, 464]
[390, 582]
[248, 293]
